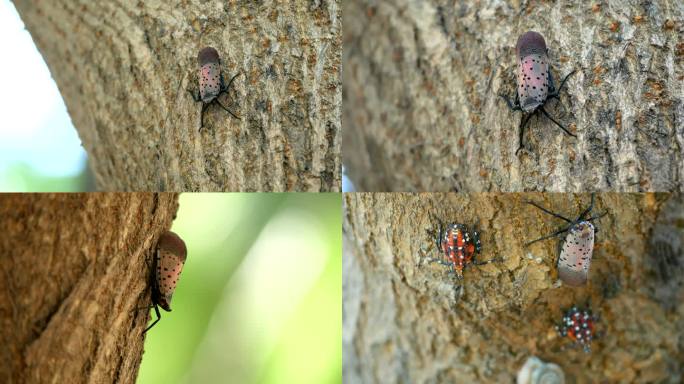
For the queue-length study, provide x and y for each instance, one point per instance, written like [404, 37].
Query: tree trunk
[125, 68]
[73, 273]
[407, 321]
[421, 110]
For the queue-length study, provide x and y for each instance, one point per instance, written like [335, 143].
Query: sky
[347, 185]
[35, 128]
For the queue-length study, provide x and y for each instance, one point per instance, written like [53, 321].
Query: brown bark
[405, 320]
[124, 69]
[421, 111]
[73, 273]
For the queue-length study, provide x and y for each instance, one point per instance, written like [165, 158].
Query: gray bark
[124, 69]
[74, 269]
[407, 321]
[421, 111]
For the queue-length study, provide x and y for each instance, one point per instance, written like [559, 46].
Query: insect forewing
[576, 253]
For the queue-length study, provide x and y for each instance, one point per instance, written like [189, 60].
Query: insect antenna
[226, 109]
[557, 123]
[555, 94]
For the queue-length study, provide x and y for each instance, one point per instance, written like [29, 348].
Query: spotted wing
[169, 267]
[210, 81]
[575, 257]
[533, 81]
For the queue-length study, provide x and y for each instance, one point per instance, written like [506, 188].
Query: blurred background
[40, 150]
[259, 299]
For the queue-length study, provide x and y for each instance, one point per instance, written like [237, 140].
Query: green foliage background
[259, 299]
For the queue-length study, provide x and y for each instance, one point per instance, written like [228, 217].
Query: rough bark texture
[73, 273]
[406, 321]
[124, 69]
[421, 111]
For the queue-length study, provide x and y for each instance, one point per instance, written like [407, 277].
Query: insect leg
[510, 105]
[597, 216]
[547, 236]
[226, 88]
[226, 109]
[437, 237]
[204, 107]
[591, 206]
[494, 260]
[156, 310]
[196, 98]
[154, 283]
[556, 93]
[549, 212]
[440, 261]
[523, 123]
[593, 217]
[557, 123]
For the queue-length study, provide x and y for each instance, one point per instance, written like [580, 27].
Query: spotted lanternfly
[457, 246]
[576, 251]
[535, 82]
[578, 325]
[211, 81]
[168, 264]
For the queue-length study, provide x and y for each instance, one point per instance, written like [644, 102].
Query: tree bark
[407, 321]
[73, 273]
[125, 68]
[422, 112]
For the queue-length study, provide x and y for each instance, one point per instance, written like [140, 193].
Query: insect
[168, 264]
[535, 82]
[211, 83]
[576, 251]
[457, 246]
[578, 324]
